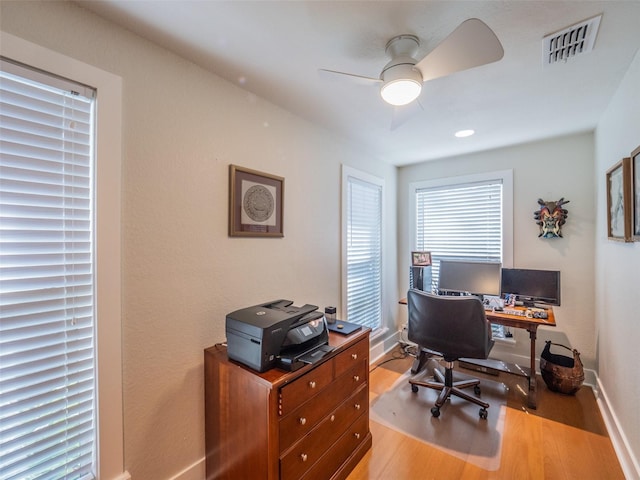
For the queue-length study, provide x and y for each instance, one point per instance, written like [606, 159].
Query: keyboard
[530, 313]
[513, 311]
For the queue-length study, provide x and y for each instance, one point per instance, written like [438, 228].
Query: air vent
[570, 42]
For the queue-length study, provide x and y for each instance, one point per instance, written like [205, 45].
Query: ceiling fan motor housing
[402, 46]
[401, 71]
[401, 49]
[402, 82]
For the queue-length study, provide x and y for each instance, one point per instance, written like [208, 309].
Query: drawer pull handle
[354, 356]
[303, 421]
[312, 384]
[333, 418]
[357, 435]
[357, 405]
[356, 378]
[303, 457]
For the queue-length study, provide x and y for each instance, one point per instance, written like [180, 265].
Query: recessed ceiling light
[464, 133]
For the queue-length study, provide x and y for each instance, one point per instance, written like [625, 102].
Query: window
[465, 218]
[47, 379]
[102, 297]
[362, 247]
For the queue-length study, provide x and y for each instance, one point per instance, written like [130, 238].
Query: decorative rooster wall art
[551, 217]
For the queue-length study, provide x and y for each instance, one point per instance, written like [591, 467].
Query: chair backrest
[454, 326]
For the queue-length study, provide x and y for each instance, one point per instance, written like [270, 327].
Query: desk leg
[532, 396]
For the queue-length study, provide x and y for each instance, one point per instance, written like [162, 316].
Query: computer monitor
[532, 286]
[476, 278]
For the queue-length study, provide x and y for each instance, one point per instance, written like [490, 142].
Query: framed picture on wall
[619, 201]
[255, 203]
[635, 193]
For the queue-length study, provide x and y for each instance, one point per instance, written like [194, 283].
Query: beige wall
[182, 127]
[618, 273]
[551, 169]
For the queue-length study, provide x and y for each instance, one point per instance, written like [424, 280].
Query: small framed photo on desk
[420, 259]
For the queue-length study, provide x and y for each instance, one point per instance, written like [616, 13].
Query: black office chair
[456, 327]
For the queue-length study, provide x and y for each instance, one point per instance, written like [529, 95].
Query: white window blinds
[47, 406]
[460, 222]
[364, 252]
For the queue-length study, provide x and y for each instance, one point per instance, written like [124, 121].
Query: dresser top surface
[276, 376]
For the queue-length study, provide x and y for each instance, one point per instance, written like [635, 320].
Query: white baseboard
[628, 462]
[379, 349]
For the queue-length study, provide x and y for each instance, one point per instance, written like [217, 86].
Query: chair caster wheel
[414, 388]
[435, 411]
[476, 390]
[483, 413]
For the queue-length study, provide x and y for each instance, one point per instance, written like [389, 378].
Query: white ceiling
[274, 49]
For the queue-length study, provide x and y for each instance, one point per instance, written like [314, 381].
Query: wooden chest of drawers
[309, 424]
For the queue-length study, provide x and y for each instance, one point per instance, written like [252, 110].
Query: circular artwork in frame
[255, 203]
[258, 204]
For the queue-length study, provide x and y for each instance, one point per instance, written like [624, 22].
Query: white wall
[618, 273]
[551, 169]
[182, 127]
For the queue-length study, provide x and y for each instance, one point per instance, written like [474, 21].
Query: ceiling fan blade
[470, 45]
[402, 114]
[332, 74]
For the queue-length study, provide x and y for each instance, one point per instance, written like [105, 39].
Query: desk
[530, 325]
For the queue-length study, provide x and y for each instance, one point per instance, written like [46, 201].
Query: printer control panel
[309, 329]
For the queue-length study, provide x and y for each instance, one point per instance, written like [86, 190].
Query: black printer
[277, 334]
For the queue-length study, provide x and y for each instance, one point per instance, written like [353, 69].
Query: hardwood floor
[565, 438]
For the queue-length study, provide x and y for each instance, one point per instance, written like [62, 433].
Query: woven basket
[561, 373]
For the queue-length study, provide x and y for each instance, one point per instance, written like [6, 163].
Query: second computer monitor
[532, 286]
[476, 278]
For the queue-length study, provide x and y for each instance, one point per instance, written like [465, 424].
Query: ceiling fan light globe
[400, 92]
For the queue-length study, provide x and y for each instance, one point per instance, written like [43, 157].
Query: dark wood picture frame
[420, 259]
[619, 201]
[635, 194]
[256, 202]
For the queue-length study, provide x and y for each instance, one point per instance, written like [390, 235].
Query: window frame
[350, 172]
[107, 237]
[506, 176]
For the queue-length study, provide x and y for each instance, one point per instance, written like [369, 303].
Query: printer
[277, 334]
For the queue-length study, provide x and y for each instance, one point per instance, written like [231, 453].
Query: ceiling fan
[470, 45]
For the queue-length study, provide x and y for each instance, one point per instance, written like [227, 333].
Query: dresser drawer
[355, 354]
[340, 451]
[295, 425]
[305, 417]
[309, 450]
[302, 389]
